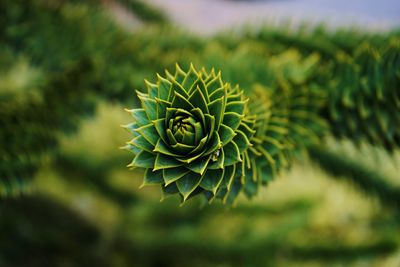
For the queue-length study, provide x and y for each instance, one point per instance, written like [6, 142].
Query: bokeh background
[68, 68]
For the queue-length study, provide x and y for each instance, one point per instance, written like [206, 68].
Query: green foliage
[144, 12]
[364, 103]
[60, 59]
[192, 133]
[347, 78]
[46, 232]
[364, 177]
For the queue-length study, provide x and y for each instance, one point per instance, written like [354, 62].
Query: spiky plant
[195, 134]
[190, 132]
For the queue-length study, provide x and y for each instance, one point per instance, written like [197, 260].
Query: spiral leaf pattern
[190, 132]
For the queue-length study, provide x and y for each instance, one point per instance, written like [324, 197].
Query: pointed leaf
[221, 92]
[165, 162]
[180, 101]
[190, 78]
[182, 148]
[214, 144]
[152, 89]
[142, 143]
[160, 128]
[217, 160]
[149, 132]
[152, 178]
[139, 116]
[162, 108]
[164, 87]
[169, 190]
[241, 140]
[143, 160]
[199, 165]
[171, 138]
[212, 180]
[232, 120]
[229, 174]
[226, 134]
[162, 148]
[149, 106]
[232, 154]
[179, 74]
[173, 174]
[216, 109]
[215, 84]
[235, 106]
[188, 183]
[197, 99]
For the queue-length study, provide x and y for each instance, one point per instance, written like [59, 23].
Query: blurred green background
[68, 69]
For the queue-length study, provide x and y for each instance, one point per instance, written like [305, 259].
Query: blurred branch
[342, 167]
[82, 170]
[144, 11]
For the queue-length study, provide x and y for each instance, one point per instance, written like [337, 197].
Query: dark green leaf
[216, 109]
[149, 106]
[197, 99]
[226, 134]
[232, 120]
[212, 180]
[180, 101]
[199, 165]
[149, 132]
[143, 160]
[232, 154]
[152, 178]
[142, 143]
[188, 183]
[173, 174]
[165, 162]
[139, 116]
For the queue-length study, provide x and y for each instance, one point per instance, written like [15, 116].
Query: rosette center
[186, 129]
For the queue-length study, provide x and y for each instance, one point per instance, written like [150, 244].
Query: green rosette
[191, 133]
